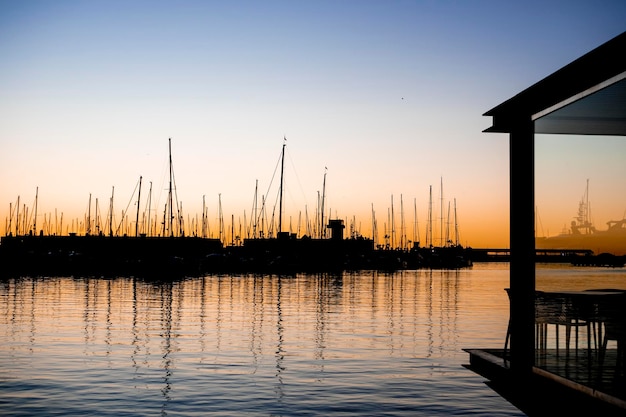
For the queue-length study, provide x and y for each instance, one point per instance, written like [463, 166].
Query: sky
[379, 104]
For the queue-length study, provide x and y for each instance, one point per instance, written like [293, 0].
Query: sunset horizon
[382, 103]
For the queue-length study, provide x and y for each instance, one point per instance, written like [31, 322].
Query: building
[585, 97]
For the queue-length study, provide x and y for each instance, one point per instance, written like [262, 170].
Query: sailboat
[284, 251]
[113, 253]
[449, 254]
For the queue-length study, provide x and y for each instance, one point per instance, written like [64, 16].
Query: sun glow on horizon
[385, 100]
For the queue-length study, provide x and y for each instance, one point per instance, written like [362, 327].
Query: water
[364, 343]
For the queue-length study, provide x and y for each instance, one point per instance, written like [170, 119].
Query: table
[594, 309]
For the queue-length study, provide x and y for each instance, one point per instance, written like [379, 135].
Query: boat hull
[596, 242]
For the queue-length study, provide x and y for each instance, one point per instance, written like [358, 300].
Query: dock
[559, 384]
[542, 255]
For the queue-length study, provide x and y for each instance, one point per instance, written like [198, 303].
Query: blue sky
[386, 97]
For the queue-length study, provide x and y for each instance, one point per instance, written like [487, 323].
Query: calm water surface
[365, 343]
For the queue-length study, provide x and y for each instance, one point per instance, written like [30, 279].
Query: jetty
[541, 255]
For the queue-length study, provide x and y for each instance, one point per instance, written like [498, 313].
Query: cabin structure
[585, 97]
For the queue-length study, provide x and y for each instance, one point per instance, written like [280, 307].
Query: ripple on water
[360, 344]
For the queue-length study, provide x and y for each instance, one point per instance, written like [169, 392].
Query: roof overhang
[587, 96]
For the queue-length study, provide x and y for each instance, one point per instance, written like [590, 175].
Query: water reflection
[279, 313]
[109, 304]
[280, 343]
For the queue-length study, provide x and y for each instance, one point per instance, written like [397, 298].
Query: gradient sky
[386, 97]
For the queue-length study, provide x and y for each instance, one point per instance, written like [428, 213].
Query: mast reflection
[159, 334]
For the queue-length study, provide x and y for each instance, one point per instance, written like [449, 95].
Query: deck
[560, 384]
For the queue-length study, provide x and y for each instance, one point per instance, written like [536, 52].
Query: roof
[587, 96]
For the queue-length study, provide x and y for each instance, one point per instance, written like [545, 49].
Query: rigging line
[297, 178]
[161, 187]
[126, 211]
[254, 210]
[276, 203]
[178, 215]
[34, 212]
[274, 174]
[271, 181]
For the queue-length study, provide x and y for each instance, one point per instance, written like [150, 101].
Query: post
[522, 237]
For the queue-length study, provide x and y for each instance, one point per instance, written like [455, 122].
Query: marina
[110, 248]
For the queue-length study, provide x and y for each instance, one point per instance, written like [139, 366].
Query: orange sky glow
[384, 101]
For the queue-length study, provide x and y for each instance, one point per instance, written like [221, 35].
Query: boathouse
[585, 97]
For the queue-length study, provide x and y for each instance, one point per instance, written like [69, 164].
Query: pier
[541, 255]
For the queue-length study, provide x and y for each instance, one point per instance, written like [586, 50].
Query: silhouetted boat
[582, 234]
[445, 257]
[450, 254]
[602, 259]
[100, 255]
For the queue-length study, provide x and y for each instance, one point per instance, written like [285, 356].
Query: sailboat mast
[138, 204]
[255, 210]
[146, 227]
[110, 212]
[180, 218]
[429, 226]
[17, 217]
[441, 215]
[373, 225]
[88, 228]
[456, 226]
[280, 207]
[8, 228]
[416, 230]
[402, 231]
[447, 241]
[263, 214]
[97, 221]
[392, 226]
[318, 221]
[170, 213]
[35, 218]
[203, 230]
[221, 219]
[322, 228]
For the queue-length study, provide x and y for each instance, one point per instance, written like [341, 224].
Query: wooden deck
[560, 384]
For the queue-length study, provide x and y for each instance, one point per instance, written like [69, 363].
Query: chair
[596, 315]
[614, 330]
[558, 310]
[613, 316]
